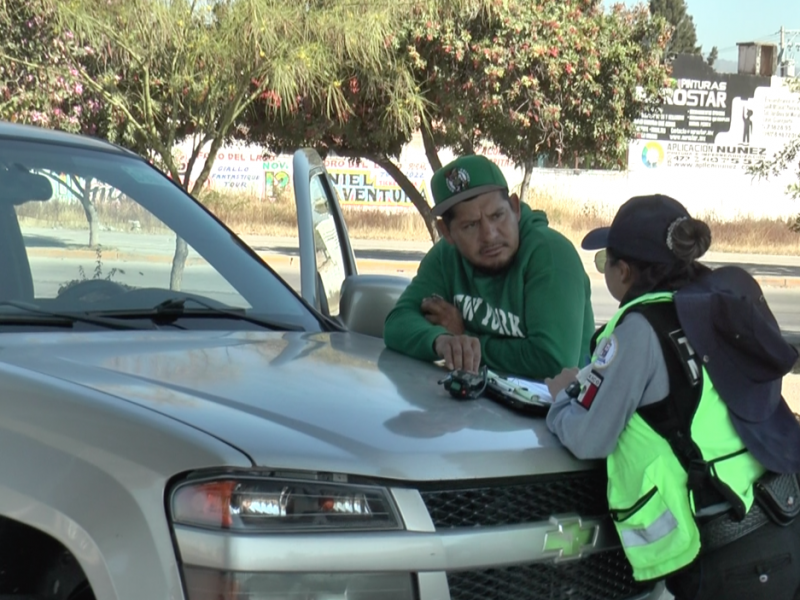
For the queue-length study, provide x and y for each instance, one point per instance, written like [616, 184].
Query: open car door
[329, 280]
[326, 257]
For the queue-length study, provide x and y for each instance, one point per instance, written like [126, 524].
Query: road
[50, 273]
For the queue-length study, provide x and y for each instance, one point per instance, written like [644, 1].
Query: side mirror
[367, 300]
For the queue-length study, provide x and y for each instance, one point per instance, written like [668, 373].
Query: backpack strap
[672, 417]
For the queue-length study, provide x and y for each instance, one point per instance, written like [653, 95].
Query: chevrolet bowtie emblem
[570, 537]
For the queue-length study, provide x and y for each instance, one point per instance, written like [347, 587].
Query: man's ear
[514, 200]
[444, 230]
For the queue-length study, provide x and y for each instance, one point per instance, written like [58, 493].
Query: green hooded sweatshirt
[532, 320]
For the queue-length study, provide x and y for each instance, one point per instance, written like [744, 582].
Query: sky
[723, 23]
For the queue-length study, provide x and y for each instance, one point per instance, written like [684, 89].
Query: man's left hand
[440, 312]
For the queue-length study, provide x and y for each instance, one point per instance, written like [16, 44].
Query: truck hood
[328, 402]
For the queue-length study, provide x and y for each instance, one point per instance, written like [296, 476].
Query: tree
[684, 33]
[40, 85]
[787, 158]
[82, 190]
[544, 78]
[386, 100]
[185, 69]
[385, 107]
[490, 72]
[712, 56]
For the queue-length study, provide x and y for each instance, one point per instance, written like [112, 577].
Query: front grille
[583, 493]
[602, 576]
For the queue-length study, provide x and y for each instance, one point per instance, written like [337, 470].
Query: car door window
[329, 253]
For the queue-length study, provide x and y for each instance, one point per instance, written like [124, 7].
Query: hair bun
[690, 239]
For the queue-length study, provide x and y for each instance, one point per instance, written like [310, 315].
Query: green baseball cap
[463, 179]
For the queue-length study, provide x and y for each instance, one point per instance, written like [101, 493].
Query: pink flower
[78, 88]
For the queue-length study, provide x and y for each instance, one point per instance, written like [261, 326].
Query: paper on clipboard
[523, 388]
[534, 387]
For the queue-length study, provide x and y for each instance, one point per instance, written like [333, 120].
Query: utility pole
[790, 40]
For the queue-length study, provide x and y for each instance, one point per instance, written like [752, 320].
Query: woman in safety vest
[682, 397]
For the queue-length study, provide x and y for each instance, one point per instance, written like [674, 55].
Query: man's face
[485, 230]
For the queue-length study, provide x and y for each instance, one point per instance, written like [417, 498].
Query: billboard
[715, 121]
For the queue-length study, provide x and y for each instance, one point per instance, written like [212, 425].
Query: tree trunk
[178, 264]
[525, 186]
[416, 197]
[89, 209]
[430, 149]
[181, 247]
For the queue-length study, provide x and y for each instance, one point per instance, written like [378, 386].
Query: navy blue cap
[729, 324]
[639, 229]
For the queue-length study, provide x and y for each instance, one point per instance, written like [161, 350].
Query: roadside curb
[108, 254]
[367, 265]
[778, 282]
[763, 281]
[363, 264]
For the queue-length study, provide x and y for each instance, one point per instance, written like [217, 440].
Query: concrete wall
[727, 196]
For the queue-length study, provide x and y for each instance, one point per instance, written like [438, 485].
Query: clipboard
[515, 396]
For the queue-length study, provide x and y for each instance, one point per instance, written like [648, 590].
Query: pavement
[382, 256]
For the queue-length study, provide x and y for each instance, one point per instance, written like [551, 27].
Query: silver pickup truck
[207, 433]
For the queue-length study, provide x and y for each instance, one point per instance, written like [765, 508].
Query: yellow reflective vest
[650, 503]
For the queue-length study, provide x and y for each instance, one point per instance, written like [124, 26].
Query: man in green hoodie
[501, 288]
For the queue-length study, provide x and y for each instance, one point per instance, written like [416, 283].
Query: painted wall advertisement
[362, 183]
[247, 170]
[715, 121]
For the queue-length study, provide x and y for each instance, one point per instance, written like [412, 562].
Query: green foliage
[541, 77]
[712, 56]
[39, 82]
[684, 33]
[534, 78]
[96, 274]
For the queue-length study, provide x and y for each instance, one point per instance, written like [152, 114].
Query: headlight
[204, 584]
[283, 505]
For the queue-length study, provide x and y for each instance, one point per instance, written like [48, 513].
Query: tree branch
[430, 147]
[196, 150]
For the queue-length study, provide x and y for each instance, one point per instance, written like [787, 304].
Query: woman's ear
[625, 272]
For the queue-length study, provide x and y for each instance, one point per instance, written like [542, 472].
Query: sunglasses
[600, 260]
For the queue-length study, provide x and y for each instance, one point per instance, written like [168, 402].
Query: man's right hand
[459, 352]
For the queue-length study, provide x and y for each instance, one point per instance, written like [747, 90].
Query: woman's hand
[561, 381]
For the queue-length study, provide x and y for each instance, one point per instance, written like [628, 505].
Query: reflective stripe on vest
[661, 527]
[647, 486]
